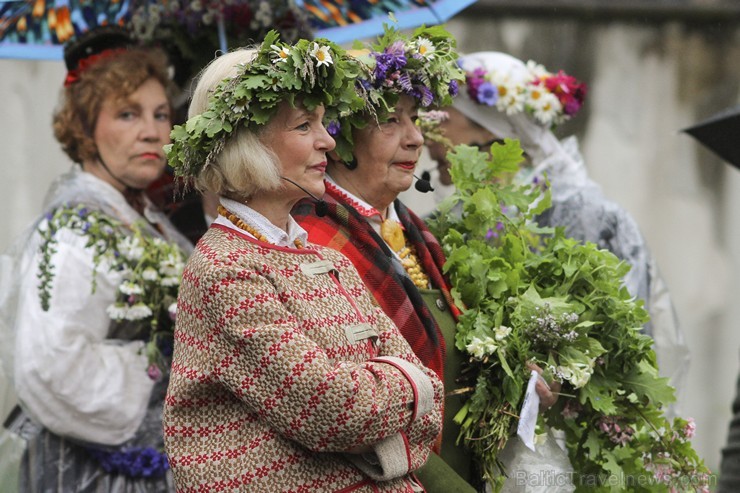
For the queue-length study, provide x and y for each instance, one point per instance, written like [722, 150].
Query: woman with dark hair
[90, 357]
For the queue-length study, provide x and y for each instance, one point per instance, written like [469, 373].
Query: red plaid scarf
[345, 229]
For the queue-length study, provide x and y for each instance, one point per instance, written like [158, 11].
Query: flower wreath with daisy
[316, 72]
[423, 66]
[550, 98]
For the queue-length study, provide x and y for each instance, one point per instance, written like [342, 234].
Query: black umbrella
[720, 133]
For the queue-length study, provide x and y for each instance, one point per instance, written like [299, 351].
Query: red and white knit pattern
[267, 394]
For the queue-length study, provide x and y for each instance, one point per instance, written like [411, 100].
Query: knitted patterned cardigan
[284, 364]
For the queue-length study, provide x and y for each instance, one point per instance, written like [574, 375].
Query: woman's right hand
[548, 393]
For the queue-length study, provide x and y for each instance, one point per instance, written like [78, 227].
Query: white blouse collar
[272, 233]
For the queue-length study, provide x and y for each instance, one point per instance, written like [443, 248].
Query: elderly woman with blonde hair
[286, 375]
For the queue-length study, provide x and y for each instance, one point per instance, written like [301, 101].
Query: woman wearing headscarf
[504, 98]
[90, 333]
[286, 374]
[398, 257]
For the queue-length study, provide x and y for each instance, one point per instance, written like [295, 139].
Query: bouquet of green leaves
[150, 270]
[532, 295]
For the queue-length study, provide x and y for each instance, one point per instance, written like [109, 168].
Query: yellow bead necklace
[249, 229]
[392, 233]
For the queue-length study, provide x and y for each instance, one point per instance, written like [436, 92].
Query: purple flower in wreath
[333, 128]
[423, 95]
[474, 80]
[397, 48]
[404, 80]
[572, 106]
[388, 63]
[149, 463]
[366, 85]
[487, 94]
[381, 68]
[454, 88]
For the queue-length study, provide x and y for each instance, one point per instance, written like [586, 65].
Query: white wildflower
[322, 54]
[563, 372]
[501, 332]
[578, 374]
[510, 98]
[129, 288]
[545, 104]
[537, 70]
[282, 53]
[170, 281]
[425, 47]
[581, 378]
[138, 312]
[117, 311]
[131, 248]
[150, 274]
[171, 266]
[482, 347]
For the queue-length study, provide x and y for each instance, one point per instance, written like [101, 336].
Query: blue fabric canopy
[37, 29]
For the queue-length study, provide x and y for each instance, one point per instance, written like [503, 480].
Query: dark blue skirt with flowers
[53, 464]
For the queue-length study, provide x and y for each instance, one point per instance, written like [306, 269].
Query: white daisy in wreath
[282, 53]
[425, 48]
[322, 54]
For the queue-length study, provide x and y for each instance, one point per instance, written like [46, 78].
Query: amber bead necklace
[249, 229]
[392, 233]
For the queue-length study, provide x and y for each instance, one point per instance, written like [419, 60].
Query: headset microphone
[321, 207]
[126, 186]
[422, 184]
